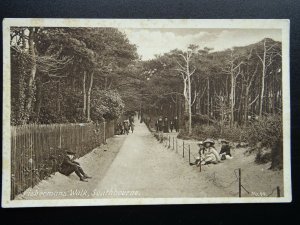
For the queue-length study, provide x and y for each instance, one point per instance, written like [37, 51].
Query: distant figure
[120, 128]
[69, 165]
[166, 125]
[126, 126]
[156, 125]
[160, 124]
[131, 127]
[176, 124]
[171, 126]
[131, 119]
[225, 150]
[210, 154]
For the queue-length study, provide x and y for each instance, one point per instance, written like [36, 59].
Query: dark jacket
[225, 149]
[68, 166]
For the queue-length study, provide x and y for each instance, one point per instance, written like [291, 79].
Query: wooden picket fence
[37, 150]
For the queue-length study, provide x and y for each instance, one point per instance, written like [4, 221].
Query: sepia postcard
[145, 112]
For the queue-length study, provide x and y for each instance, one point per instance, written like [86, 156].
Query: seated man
[69, 165]
[225, 150]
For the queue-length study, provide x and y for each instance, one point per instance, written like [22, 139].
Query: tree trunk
[232, 99]
[208, 100]
[189, 106]
[58, 98]
[89, 97]
[21, 94]
[263, 61]
[31, 82]
[84, 94]
[38, 100]
[246, 107]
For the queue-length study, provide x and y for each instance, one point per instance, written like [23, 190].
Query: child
[198, 159]
[210, 154]
[225, 150]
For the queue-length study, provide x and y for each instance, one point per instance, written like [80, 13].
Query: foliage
[107, 104]
[201, 132]
[266, 130]
[52, 79]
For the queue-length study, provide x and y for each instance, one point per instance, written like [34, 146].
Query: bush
[201, 132]
[205, 131]
[263, 156]
[267, 130]
[107, 104]
[235, 134]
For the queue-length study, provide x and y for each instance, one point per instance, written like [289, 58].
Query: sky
[155, 41]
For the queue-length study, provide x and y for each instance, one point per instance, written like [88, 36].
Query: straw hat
[200, 143]
[208, 140]
[224, 141]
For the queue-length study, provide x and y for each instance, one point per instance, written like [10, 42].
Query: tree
[69, 61]
[270, 50]
[232, 67]
[186, 73]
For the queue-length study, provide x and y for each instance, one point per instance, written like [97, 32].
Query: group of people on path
[209, 155]
[164, 125]
[125, 126]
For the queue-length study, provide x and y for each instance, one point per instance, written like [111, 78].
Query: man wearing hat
[69, 165]
[225, 150]
[210, 154]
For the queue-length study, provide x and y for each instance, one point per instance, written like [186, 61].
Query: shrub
[266, 130]
[235, 134]
[107, 104]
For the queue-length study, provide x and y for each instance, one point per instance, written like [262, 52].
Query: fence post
[169, 142]
[173, 143]
[278, 191]
[182, 149]
[200, 161]
[240, 184]
[189, 154]
[104, 132]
